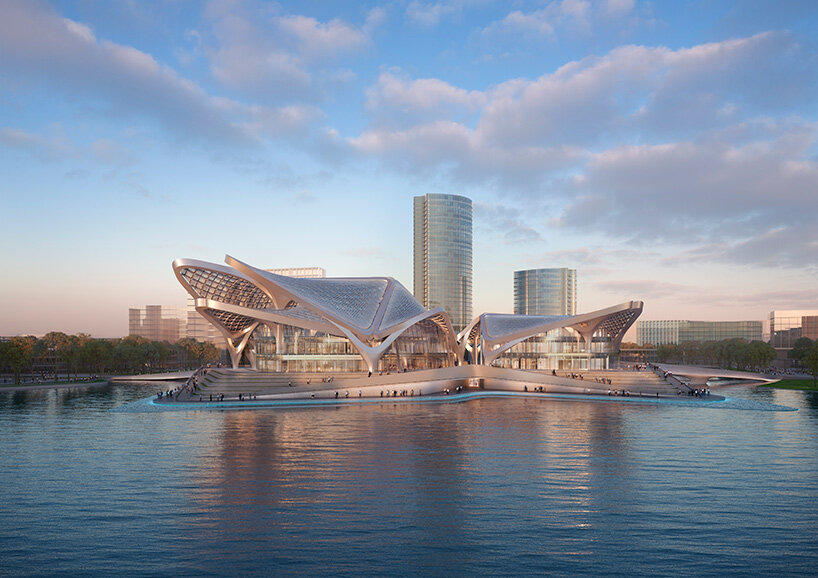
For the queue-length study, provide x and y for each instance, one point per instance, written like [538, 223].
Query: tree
[20, 354]
[97, 355]
[201, 351]
[73, 353]
[800, 348]
[53, 348]
[4, 355]
[666, 352]
[132, 352]
[810, 361]
[761, 353]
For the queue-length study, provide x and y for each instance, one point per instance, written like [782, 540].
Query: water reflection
[431, 471]
[484, 487]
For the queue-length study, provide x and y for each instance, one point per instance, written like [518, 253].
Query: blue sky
[666, 150]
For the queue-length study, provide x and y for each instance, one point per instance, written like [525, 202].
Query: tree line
[805, 352]
[729, 353]
[56, 353]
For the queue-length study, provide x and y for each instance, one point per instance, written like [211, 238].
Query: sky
[666, 150]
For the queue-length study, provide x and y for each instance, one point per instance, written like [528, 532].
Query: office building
[664, 332]
[158, 323]
[443, 255]
[545, 292]
[788, 325]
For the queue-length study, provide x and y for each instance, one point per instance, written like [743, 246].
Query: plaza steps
[233, 382]
[634, 381]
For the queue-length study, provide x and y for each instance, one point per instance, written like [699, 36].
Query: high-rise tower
[545, 292]
[443, 255]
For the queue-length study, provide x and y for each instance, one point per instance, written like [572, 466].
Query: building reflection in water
[266, 475]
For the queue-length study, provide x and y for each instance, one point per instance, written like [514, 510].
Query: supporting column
[236, 350]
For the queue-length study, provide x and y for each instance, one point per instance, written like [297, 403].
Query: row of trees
[805, 352]
[728, 353]
[56, 353]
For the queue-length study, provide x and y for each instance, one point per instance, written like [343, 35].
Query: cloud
[637, 90]
[461, 154]
[521, 131]
[505, 221]
[592, 256]
[111, 153]
[314, 39]
[794, 245]
[430, 13]
[67, 55]
[645, 288]
[544, 22]
[46, 149]
[375, 18]
[701, 192]
[688, 147]
[274, 56]
[574, 17]
[420, 99]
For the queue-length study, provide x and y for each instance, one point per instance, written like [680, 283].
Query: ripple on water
[513, 485]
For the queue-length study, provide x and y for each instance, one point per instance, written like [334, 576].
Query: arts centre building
[285, 324]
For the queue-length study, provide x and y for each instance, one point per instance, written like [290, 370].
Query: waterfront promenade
[228, 386]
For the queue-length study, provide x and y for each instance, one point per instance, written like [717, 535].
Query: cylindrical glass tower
[545, 292]
[443, 255]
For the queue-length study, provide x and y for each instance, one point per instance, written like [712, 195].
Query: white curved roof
[498, 325]
[401, 306]
[372, 312]
[219, 283]
[499, 332]
[368, 305]
[355, 301]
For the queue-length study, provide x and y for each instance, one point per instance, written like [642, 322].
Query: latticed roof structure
[491, 334]
[371, 312]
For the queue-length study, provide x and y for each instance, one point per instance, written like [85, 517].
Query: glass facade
[545, 292]
[158, 323]
[678, 331]
[304, 351]
[201, 329]
[422, 346]
[561, 349]
[443, 255]
[787, 325]
[297, 350]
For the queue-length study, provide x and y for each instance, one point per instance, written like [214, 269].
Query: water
[489, 486]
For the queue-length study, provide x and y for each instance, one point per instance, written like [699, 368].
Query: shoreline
[151, 404]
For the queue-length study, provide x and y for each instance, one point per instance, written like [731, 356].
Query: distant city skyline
[667, 151]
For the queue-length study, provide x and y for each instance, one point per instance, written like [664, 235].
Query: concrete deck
[262, 386]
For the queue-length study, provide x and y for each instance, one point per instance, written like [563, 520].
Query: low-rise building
[662, 332]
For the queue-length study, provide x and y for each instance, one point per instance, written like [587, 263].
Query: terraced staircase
[233, 382]
[635, 381]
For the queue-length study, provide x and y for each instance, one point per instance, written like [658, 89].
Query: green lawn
[803, 384]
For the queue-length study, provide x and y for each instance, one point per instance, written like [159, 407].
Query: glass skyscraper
[443, 255]
[545, 292]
